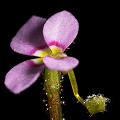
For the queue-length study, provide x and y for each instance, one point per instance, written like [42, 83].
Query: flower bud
[96, 103]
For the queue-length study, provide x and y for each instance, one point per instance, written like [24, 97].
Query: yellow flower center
[55, 49]
[47, 52]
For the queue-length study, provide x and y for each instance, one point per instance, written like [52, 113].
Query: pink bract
[61, 28]
[30, 37]
[22, 76]
[62, 64]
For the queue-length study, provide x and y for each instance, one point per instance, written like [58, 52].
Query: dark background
[96, 48]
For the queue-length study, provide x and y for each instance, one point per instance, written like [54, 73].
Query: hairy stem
[52, 87]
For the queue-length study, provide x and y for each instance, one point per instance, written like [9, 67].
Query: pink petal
[22, 76]
[61, 29]
[62, 64]
[30, 37]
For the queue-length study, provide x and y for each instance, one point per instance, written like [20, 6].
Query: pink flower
[44, 39]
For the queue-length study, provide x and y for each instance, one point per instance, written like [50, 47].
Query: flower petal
[60, 30]
[22, 76]
[30, 37]
[62, 64]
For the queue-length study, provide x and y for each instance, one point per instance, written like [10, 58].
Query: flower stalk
[52, 88]
[74, 86]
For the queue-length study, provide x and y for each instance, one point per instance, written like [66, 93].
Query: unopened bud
[96, 103]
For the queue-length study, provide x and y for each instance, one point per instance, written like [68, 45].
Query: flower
[46, 39]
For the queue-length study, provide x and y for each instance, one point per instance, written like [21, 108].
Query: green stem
[74, 86]
[52, 87]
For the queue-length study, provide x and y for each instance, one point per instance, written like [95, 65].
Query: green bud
[96, 103]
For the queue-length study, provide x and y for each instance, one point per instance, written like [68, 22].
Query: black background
[96, 48]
